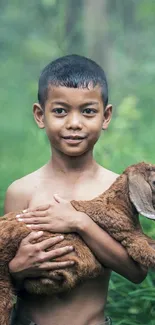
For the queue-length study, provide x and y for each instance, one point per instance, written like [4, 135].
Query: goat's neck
[118, 189]
[118, 193]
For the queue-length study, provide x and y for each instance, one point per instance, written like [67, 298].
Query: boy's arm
[107, 250]
[32, 258]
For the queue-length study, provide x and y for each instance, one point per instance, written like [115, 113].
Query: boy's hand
[57, 217]
[32, 258]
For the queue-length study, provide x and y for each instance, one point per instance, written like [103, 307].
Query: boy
[73, 108]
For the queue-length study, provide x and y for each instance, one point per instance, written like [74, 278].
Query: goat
[116, 211]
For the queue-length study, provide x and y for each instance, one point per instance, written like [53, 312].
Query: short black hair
[72, 71]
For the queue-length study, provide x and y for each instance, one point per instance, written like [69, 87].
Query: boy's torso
[40, 187]
[90, 297]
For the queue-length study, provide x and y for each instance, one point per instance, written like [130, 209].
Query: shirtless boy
[73, 108]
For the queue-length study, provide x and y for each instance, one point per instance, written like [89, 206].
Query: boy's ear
[38, 115]
[107, 116]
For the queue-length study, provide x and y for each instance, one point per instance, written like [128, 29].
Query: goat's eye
[153, 183]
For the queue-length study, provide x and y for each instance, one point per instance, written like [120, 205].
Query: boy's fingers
[58, 252]
[55, 265]
[31, 214]
[52, 254]
[59, 199]
[43, 207]
[39, 227]
[33, 220]
[50, 242]
[39, 208]
[33, 235]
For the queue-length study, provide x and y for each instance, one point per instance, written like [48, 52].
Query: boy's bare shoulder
[107, 177]
[20, 191]
[109, 173]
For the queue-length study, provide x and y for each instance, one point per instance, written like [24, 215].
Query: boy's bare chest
[43, 192]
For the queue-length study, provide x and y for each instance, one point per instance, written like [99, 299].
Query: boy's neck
[63, 164]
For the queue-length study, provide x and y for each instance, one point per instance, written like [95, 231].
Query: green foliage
[131, 304]
[34, 33]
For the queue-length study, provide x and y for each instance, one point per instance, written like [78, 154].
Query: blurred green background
[120, 36]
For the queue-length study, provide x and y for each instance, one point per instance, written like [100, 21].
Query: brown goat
[116, 211]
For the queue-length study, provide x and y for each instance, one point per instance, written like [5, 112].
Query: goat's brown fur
[115, 211]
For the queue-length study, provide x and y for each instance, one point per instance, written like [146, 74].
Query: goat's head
[141, 180]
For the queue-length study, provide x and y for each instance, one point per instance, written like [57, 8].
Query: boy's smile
[73, 118]
[73, 139]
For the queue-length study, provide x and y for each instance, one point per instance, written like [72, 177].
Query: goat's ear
[141, 195]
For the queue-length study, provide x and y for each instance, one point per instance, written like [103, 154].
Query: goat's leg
[11, 233]
[6, 301]
[92, 208]
[150, 241]
[119, 226]
[109, 219]
[140, 250]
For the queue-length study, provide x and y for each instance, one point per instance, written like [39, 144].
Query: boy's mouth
[74, 139]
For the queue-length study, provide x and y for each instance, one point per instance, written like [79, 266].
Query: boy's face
[73, 118]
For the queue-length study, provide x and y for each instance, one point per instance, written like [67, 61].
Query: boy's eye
[89, 111]
[60, 111]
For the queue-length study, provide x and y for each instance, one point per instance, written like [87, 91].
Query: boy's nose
[74, 121]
